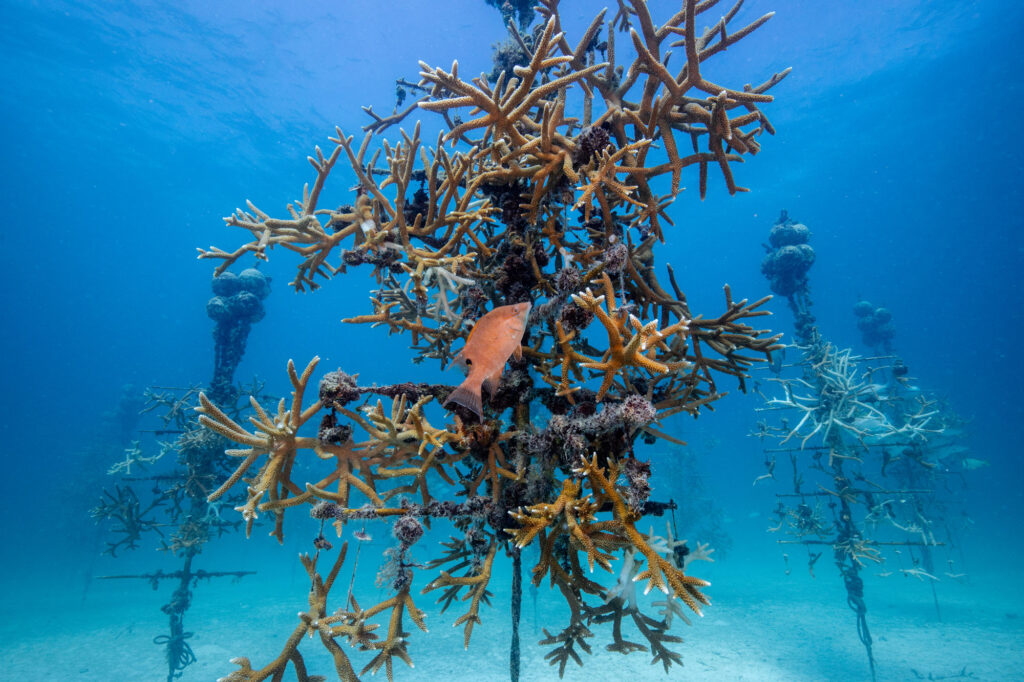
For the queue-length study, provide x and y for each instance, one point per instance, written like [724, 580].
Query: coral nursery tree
[551, 185]
[175, 499]
[875, 464]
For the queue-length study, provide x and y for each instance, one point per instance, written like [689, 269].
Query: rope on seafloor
[853, 583]
[517, 603]
[179, 653]
[855, 600]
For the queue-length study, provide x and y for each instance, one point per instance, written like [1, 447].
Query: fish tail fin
[468, 395]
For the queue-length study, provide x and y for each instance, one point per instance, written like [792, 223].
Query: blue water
[131, 128]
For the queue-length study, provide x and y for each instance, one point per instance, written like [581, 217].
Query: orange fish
[494, 338]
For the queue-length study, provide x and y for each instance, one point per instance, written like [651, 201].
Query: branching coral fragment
[631, 343]
[277, 438]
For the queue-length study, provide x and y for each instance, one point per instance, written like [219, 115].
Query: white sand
[763, 626]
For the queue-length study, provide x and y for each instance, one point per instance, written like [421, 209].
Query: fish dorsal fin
[471, 330]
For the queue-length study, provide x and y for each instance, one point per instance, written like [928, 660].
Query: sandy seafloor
[763, 626]
[137, 129]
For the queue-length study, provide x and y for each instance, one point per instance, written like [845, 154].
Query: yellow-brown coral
[544, 187]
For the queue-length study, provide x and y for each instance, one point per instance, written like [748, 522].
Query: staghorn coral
[872, 445]
[178, 495]
[840, 397]
[551, 182]
[276, 438]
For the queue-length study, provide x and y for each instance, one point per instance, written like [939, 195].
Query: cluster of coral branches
[552, 185]
[873, 443]
[876, 471]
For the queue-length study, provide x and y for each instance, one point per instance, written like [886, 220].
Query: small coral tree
[552, 184]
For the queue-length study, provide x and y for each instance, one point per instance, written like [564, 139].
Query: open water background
[130, 128]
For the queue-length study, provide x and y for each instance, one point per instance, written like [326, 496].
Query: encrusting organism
[789, 258]
[875, 324]
[237, 304]
[522, 243]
